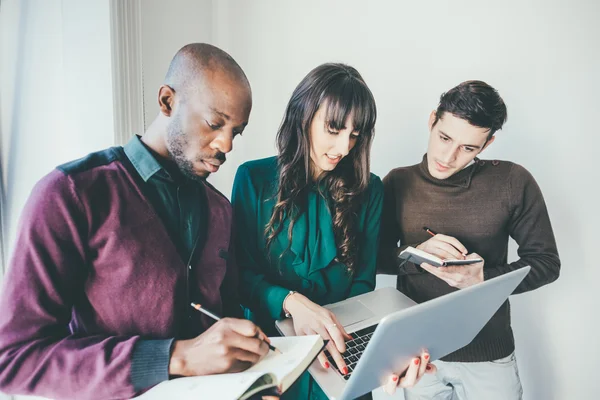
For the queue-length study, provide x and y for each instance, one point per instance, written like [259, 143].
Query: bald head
[205, 102]
[196, 62]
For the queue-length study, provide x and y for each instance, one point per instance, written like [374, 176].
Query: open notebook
[277, 371]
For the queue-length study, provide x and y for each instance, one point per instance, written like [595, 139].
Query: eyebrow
[466, 145]
[227, 117]
[222, 114]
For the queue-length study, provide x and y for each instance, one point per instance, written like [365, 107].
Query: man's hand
[458, 276]
[443, 246]
[230, 345]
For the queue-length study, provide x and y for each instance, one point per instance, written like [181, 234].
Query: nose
[450, 155]
[342, 145]
[223, 142]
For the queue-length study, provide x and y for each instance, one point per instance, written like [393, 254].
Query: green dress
[308, 266]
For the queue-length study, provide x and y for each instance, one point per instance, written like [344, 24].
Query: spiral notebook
[417, 257]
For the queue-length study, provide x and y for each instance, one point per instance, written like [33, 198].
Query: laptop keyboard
[354, 349]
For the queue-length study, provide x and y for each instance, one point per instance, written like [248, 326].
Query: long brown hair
[342, 90]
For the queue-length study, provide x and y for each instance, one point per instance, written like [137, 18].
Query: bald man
[113, 248]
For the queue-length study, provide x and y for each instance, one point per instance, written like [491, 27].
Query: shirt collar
[141, 158]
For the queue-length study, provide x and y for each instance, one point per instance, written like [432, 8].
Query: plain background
[542, 56]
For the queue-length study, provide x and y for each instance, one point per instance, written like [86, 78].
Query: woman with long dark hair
[308, 220]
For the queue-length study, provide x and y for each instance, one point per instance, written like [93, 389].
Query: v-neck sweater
[97, 290]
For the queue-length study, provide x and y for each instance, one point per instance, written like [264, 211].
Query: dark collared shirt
[178, 200]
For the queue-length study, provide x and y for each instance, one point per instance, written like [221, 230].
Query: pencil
[217, 317]
[426, 229]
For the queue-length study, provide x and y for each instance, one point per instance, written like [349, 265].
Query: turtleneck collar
[461, 179]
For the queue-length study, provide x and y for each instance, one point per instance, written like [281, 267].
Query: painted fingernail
[394, 378]
[426, 356]
[345, 370]
[417, 361]
[428, 368]
[326, 364]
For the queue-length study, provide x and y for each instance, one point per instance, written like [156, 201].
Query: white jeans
[493, 380]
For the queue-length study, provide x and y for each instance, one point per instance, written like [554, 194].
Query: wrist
[177, 360]
[290, 302]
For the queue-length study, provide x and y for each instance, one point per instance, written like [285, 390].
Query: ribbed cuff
[490, 273]
[150, 363]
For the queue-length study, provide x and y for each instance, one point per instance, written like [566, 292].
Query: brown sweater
[481, 206]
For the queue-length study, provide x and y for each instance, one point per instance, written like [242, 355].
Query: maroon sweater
[96, 290]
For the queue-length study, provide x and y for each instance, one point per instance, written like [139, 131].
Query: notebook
[417, 256]
[276, 371]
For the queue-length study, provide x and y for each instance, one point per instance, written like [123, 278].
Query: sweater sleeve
[529, 226]
[256, 291]
[364, 278]
[39, 354]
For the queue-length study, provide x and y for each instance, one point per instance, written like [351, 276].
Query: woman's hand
[417, 368]
[312, 319]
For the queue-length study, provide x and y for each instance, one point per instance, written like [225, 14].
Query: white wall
[543, 57]
[56, 89]
[166, 27]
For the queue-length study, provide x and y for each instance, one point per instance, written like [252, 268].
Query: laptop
[389, 329]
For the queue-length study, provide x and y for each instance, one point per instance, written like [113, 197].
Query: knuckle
[223, 350]
[259, 346]
[220, 336]
[228, 364]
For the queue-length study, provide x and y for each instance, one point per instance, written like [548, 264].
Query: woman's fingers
[337, 358]
[423, 364]
[430, 369]
[323, 360]
[332, 346]
[341, 327]
[392, 384]
[335, 333]
[410, 378]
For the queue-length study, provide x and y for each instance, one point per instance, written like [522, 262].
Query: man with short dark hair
[471, 208]
[113, 248]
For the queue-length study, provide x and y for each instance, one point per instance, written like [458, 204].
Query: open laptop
[389, 329]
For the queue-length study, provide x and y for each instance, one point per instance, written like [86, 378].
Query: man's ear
[166, 100]
[431, 120]
[490, 141]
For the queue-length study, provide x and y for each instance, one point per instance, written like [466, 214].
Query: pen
[426, 229]
[216, 318]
